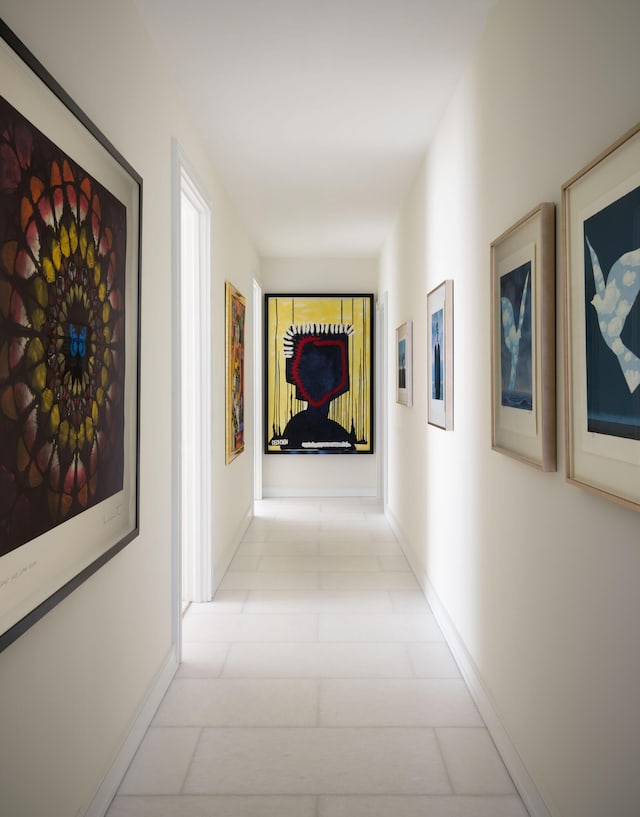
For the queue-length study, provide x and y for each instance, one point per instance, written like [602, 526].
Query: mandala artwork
[62, 335]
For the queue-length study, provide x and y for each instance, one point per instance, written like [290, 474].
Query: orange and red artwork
[236, 310]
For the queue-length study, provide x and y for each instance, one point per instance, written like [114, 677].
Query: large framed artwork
[601, 231]
[235, 324]
[318, 373]
[523, 408]
[440, 355]
[70, 208]
[404, 364]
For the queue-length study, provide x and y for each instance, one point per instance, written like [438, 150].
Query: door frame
[184, 180]
[382, 367]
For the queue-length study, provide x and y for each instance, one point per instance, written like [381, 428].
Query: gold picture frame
[523, 348]
[601, 269]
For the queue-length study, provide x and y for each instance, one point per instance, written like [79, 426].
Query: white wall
[538, 578]
[336, 475]
[71, 687]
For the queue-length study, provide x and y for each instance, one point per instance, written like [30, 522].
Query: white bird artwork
[613, 302]
[511, 334]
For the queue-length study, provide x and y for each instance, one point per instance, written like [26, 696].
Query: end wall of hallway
[330, 475]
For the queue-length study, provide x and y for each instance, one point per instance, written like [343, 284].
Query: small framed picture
[601, 244]
[236, 307]
[404, 364]
[523, 340]
[440, 355]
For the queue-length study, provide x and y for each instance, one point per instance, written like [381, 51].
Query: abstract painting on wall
[318, 374]
[523, 408]
[602, 343]
[69, 344]
[235, 325]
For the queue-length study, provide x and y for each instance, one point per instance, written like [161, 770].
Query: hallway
[317, 684]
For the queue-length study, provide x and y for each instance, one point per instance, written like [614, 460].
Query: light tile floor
[317, 684]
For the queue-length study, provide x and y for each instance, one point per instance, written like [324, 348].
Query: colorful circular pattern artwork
[62, 335]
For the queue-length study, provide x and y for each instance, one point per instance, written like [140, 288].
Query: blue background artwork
[402, 363]
[612, 407]
[437, 355]
[513, 286]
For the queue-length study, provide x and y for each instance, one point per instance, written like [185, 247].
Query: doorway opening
[257, 391]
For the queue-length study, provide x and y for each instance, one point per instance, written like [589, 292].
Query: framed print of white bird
[523, 339]
[601, 207]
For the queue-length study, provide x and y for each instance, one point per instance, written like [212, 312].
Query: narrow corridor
[317, 684]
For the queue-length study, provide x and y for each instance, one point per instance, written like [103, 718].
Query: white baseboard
[284, 493]
[107, 790]
[522, 780]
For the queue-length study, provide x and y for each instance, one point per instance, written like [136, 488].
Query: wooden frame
[601, 260]
[236, 307]
[440, 355]
[404, 364]
[70, 218]
[523, 407]
[318, 374]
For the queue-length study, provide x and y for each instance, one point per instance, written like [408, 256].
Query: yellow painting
[319, 374]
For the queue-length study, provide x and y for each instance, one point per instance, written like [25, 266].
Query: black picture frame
[92, 194]
[319, 373]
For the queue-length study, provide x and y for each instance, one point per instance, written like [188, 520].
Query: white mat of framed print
[440, 355]
[523, 339]
[404, 364]
[601, 221]
[70, 208]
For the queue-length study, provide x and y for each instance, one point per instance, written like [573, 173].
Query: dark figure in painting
[317, 361]
[437, 382]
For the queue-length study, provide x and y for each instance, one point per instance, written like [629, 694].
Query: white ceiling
[317, 113]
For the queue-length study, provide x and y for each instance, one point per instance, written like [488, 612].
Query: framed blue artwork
[601, 219]
[440, 356]
[523, 339]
